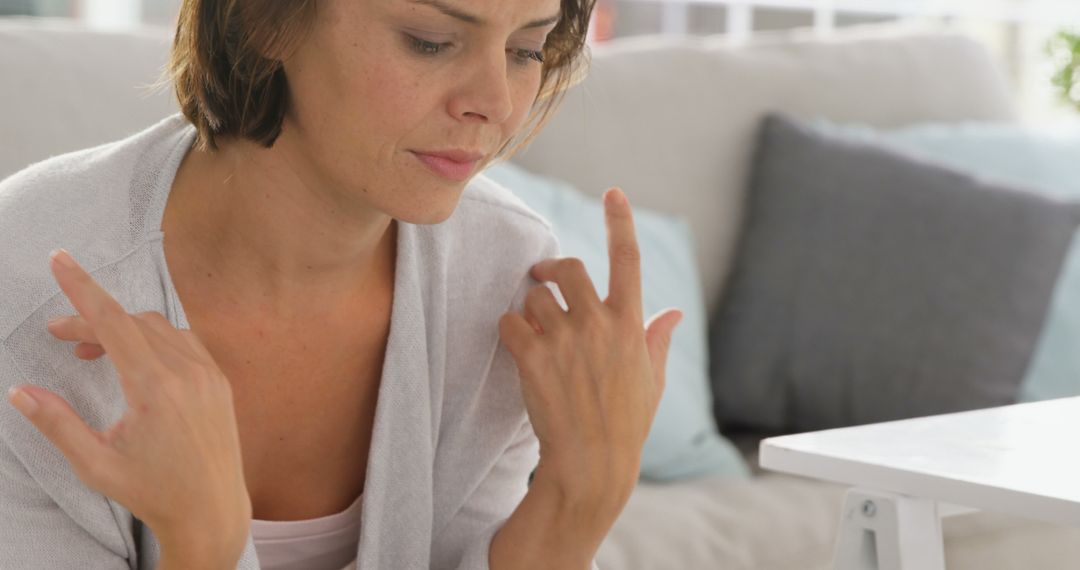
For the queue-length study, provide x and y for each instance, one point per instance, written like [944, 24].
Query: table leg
[887, 531]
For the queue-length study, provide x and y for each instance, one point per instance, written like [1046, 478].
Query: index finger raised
[115, 329]
[624, 284]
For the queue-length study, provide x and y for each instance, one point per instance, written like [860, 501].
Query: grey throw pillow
[871, 286]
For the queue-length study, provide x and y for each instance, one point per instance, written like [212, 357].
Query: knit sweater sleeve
[506, 483]
[35, 532]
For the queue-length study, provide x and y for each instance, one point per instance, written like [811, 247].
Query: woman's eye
[524, 55]
[425, 47]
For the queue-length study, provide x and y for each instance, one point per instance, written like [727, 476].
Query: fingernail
[22, 401]
[62, 257]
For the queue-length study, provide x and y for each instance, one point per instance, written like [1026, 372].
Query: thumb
[60, 424]
[658, 333]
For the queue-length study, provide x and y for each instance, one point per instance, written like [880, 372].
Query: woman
[331, 344]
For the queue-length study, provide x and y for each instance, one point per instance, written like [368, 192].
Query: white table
[1022, 459]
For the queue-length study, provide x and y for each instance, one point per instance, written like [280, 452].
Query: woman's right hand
[174, 458]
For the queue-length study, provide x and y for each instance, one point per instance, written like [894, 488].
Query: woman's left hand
[591, 376]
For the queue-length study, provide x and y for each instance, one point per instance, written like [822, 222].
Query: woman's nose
[486, 91]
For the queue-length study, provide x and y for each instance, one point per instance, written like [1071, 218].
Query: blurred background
[1017, 31]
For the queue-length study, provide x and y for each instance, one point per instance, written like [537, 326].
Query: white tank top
[325, 543]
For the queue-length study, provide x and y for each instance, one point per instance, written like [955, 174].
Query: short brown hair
[229, 84]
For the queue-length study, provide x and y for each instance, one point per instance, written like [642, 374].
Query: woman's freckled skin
[361, 99]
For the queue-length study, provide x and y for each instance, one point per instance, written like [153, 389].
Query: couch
[696, 105]
[672, 121]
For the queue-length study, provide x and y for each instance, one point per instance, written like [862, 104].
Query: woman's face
[368, 89]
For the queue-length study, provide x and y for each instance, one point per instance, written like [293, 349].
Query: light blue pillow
[684, 441]
[1045, 161]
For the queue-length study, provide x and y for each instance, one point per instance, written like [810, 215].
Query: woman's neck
[257, 226]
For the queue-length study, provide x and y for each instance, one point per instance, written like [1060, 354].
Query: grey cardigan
[452, 447]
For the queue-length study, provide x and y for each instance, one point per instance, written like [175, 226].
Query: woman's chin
[431, 211]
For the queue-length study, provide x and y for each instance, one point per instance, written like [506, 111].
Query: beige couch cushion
[673, 120]
[65, 88]
[782, 522]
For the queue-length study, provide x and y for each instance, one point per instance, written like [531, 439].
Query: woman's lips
[451, 169]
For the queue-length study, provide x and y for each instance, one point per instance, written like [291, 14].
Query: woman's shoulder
[75, 183]
[490, 213]
[493, 239]
[483, 189]
[75, 193]
[93, 202]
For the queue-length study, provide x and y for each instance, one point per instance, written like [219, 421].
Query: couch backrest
[64, 88]
[673, 120]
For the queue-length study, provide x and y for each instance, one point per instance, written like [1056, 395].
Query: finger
[195, 343]
[570, 275]
[78, 329]
[116, 330]
[172, 350]
[158, 324]
[624, 288]
[658, 333]
[516, 333]
[541, 305]
[87, 351]
[62, 426]
[74, 328]
[532, 321]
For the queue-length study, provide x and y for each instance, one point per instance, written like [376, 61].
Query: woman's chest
[305, 410]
